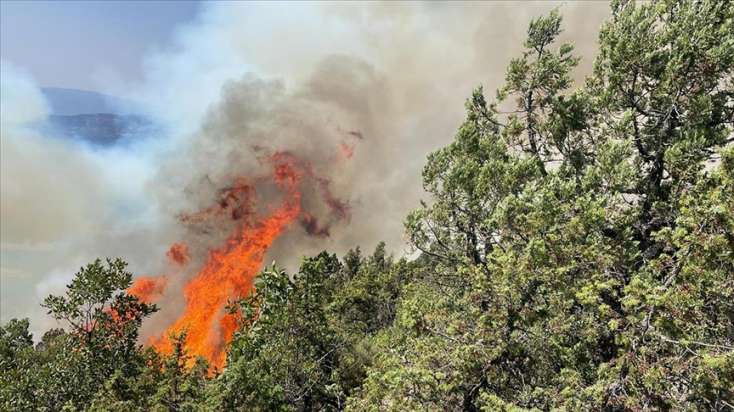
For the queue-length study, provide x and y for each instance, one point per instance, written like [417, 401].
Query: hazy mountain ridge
[99, 128]
[90, 116]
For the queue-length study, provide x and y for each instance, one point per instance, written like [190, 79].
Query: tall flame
[229, 270]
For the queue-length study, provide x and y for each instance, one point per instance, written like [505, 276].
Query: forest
[575, 252]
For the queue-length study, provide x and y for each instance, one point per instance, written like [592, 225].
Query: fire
[346, 150]
[229, 270]
[178, 254]
[148, 288]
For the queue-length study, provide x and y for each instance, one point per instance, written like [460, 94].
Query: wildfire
[229, 270]
[178, 254]
[148, 288]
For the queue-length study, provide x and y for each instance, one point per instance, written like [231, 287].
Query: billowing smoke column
[266, 163]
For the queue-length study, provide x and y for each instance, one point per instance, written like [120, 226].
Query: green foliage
[16, 357]
[581, 247]
[180, 387]
[285, 353]
[66, 370]
[577, 253]
[303, 343]
[104, 319]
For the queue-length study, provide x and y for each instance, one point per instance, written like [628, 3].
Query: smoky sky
[362, 93]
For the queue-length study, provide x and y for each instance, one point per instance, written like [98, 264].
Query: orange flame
[148, 288]
[229, 270]
[178, 254]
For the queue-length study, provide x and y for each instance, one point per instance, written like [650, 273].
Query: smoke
[62, 203]
[361, 93]
[358, 93]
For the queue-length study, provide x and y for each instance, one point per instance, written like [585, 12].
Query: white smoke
[298, 77]
[62, 201]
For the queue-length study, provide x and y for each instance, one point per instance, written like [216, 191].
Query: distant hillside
[91, 116]
[99, 128]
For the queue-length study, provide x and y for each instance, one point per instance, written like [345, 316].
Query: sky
[88, 45]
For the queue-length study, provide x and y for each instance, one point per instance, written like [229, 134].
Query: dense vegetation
[577, 253]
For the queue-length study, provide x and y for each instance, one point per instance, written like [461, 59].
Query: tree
[100, 317]
[284, 356]
[16, 358]
[181, 386]
[306, 339]
[98, 352]
[581, 244]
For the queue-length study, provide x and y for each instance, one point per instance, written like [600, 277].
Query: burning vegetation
[228, 270]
